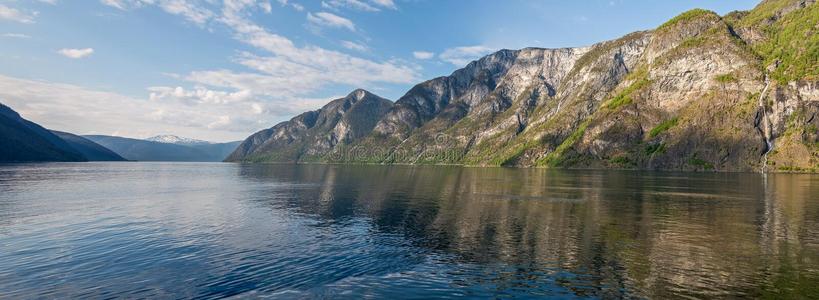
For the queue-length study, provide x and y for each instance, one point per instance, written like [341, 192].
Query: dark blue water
[179, 230]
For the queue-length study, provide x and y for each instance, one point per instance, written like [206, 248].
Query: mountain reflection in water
[216, 230]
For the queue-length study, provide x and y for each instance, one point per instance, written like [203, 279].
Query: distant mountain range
[172, 139]
[24, 141]
[92, 151]
[738, 92]
[171, 149]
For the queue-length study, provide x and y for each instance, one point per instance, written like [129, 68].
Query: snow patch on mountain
[172, 139]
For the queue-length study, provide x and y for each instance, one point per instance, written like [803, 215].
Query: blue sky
[222, 69]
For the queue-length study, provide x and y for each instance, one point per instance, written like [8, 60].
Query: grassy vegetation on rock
[686, 17]
[640, 78]
[662, 127]
[726, 78]
[792, 44]
[699, 163]
[555, 158]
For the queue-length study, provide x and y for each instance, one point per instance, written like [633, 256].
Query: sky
[220, 70]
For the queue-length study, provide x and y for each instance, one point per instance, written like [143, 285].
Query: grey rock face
[315, 133]
[488, 85]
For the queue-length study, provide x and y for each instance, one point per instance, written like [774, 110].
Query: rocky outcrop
[689, 95]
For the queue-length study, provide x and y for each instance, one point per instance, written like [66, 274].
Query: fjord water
[212, 230]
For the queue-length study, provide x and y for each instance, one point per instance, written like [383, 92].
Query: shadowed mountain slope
[24, 141]
[92, 151]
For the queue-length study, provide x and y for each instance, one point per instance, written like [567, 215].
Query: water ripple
[165, 230]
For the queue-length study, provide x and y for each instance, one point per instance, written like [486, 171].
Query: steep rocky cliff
[701, 92]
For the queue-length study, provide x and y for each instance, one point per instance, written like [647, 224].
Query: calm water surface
[174, 230]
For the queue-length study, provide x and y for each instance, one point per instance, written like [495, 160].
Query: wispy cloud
[272, 82]
[325, 19]
[354, 46]
[295, 6]
[13, 14]
[120, 4]
[371, 5]
[188, 9]
[385, 3]
[287, 64]
[76, 53]
[198, 112]
[460, 56]
[16, 35]
[423, 54]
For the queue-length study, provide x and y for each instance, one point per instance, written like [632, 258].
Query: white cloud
[276, 82]
[371, 5]
[461, 56]
[385, 3]
[258, 84]
[354, 4]
[266, 7]
[354, 46]
[198, 113]
[238, 112]
[295, 6]
[292, 70]
[16, 35]
[326, 19]
[13, 14]
[189, 9]
[76, 53]
[120, 4]
[198, 95]
[423, 54]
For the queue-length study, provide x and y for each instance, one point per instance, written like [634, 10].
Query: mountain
[25, 141]
[172, 139]
[143, 150]
[704, 92]
[313, 134]
[90, 150]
